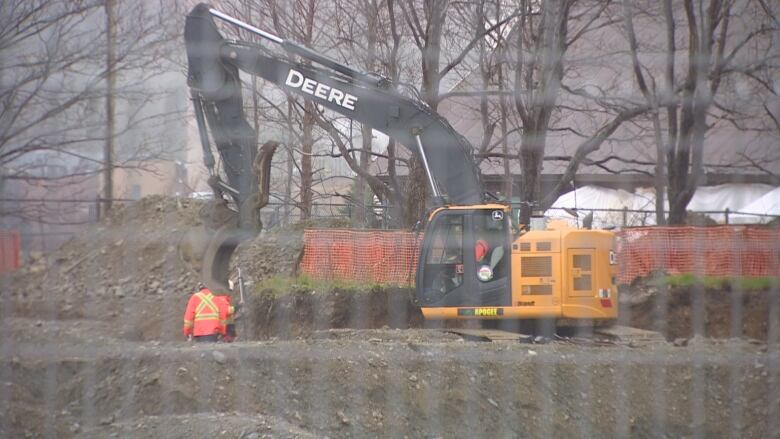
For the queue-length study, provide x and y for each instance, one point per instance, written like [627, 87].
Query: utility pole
[108, 154]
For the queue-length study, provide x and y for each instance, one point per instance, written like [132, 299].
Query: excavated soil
[92, 348]
[302, 312]
[680, 312]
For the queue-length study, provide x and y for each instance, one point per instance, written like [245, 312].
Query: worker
[205, 318]
[481, 249]
[230, 324]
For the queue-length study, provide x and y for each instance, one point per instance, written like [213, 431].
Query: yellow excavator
[472, 266]
[473, 263]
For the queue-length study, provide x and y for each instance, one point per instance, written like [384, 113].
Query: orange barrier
[377, 256]
[9, 250]
[704, 251]
[390, 257]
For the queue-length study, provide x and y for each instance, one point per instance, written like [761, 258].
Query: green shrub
[280, 285]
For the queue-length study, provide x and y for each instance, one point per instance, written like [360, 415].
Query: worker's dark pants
[206, 338]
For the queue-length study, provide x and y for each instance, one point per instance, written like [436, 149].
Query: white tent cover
[763, 199]
[768, 204]
[732, 196]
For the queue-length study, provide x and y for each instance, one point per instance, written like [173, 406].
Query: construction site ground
[92, 347]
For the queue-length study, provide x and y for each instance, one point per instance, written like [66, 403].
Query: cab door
[441, 266]
[449, 272]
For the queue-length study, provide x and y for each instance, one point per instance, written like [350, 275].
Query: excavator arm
[213, 76]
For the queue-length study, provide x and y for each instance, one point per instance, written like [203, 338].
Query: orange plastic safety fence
[703, 251]
[9, 250]
[377, 256]
[390, 257]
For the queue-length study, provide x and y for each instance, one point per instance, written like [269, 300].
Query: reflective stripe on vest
[205, 302]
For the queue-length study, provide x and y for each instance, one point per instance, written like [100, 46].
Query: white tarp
[586, 198]
[768, 204]
[735, 197]
[732, 196]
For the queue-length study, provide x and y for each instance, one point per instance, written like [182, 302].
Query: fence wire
[92, 347]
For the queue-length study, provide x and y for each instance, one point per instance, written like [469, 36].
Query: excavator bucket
[216, 259]
[210, 248]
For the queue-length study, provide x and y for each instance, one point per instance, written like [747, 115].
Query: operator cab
[465, 259]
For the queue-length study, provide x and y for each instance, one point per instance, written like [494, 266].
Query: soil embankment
[682, 312]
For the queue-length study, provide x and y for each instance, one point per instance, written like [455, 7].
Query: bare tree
[725, 39]
[359, 24]
[426, 22]
[544, 33]
[53, 74]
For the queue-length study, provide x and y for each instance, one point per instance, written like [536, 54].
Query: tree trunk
[660, 172]
[363, 192]
[288, 185]
[395, 210]
[307, 147]
[416, 193]
[531, 161]
[108, 154]
[508, 183]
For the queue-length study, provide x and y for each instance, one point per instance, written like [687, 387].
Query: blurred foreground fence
[391, 256]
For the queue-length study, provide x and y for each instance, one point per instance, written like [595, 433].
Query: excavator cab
[465, 258]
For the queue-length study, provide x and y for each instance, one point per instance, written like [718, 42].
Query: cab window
[447, 244]
[490, 237]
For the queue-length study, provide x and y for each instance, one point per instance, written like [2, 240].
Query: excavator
[473, 263]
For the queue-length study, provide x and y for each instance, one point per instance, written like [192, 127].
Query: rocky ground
[92, 348]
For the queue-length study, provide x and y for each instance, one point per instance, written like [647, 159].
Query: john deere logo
[295, 79]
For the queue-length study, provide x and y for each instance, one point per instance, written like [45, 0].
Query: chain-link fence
[93, 346]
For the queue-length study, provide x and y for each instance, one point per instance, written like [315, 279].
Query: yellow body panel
[560, 272]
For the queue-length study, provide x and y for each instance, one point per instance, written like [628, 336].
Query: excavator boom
[213, 76]
[213, 73]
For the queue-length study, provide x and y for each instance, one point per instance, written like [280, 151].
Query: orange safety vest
[205, 315]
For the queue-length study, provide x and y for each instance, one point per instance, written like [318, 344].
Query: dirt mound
[276, 252]
[127, 261]
[110, 258]
[682, 312]
[129, 269]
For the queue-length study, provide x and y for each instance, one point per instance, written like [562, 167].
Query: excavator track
[612, 335]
